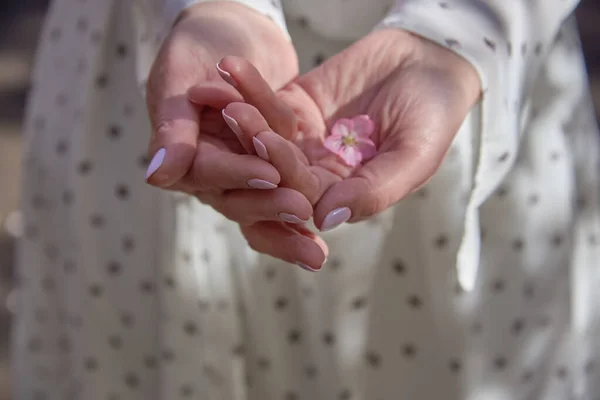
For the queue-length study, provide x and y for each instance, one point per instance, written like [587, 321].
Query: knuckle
[373, 199]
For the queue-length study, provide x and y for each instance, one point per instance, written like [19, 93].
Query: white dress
[482, 286]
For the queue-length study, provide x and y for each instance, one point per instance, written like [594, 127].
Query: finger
[215, 169]
[176, 126]
[256, 91]
[253, 130]
[250, 206]
[377, 185]
[302, 248]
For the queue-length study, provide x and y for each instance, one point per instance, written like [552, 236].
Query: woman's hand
[184, 134]
[417, 94]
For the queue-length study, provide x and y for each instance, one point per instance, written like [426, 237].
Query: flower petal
[363, 126]
[334, 144]
[351, 156]
[342, 127]
[367, 148]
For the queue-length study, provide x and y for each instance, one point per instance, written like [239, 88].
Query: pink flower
[350, 140]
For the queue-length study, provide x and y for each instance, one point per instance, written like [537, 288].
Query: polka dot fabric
[127, 292]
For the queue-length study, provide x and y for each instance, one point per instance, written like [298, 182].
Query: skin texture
[417, 93]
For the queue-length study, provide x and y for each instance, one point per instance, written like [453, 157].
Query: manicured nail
[261, 184]
[156, 162]
[233, 125]
[307, 268]
[261, 149]
[226, 76]
[290, 218]
[335, 218]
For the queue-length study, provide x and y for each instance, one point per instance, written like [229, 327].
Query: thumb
[176, 121]
[377, 185]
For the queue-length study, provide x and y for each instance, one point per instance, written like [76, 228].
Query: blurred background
[20, 23]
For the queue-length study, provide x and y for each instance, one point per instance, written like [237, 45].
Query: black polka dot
[303, 22]
[359, 303]
[414, 301]
[453, 44]
[294, 336]
[114, 268]
[533, 199]
[168, 355]
[329, 338]
[345, 394]
[127, 243]
[67, 197]
[115, 342]
[527, 376]
[498, 286]
[290, 396]
[373, 359]
[518, 326]
[169, 281]
[409, 350]
[143, 161]
[55, 34]
[90, 364]
[126, 319]
[490, 43]
[509, 49]
[121, 50]
[147, 287]
[186, 390]
[589, 367]
[190, 328]
[186, 256]
[131, 380]
[503, 157]
[538, 48]
[34, 345]
[441, 241]
[39, 395]
[114, 132]
[102, 81]
[518, 244]
[562, 372]
[399, 267]
[310, 371]
[238, 350]
[455, 365]
[557, 240]
[69, 266]
[150, 362]
[443, 5]
[96, 290]
[270, 273]
[64, 344]
[122, 192]
[263, 363]
[319, 59]
[61, 147]
[502, 191]
[82, 24]
[523, 49]
[500, 362]
[97, 220]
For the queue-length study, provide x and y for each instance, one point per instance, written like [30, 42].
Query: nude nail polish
[306, 267]
[335, 218]
[226, 76]
[290, 218]
[261, 184]
[261, 149]
[233, 124]
[156, 162]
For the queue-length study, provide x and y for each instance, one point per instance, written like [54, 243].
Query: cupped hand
[416, 92]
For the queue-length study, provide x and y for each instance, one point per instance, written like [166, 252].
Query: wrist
[230, 28]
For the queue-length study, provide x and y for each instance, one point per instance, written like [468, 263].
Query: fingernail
[156, 162]
[290, 218]
[261, 184]
[226, 76]
[261, 149]
[307, 268]
[335, 218]
[232, 123]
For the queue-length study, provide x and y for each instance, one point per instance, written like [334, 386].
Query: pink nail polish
[233, 124]
[261, 149]
[226, 76]
[156, 162]
[290, 218]
[307, 268]
[335, 218]
[261, 184]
